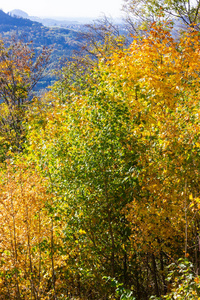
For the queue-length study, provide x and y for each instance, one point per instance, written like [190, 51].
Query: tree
[161, 78]
[90, 168]
[21, 69]
[25, 271]
[186, 11]
[98, 40]
[116, 191]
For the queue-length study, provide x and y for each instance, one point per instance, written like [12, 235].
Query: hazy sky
[65, 8]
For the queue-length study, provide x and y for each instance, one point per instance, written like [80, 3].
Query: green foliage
[115, 145]
[90, 170]
[184, 13]
[185, 284]
[107, 186]
[121, 292]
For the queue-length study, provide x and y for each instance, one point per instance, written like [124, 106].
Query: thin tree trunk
[186, 220]
[40, 257]
[52, 245]
[125, 268]
[15, 251]
[52, 259]
[110, 231]
[155, 275]
[163, 275]
[33, 290]
[15, 254]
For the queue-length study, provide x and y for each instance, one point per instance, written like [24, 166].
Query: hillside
[62, 41]
[19, 13]
[6, 19]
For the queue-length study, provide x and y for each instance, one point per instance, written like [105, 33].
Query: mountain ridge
[62, 41]
[7, 19]
[50, 21]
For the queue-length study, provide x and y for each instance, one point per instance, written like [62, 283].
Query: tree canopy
[103, 200]
[21, 69]
[186, 11]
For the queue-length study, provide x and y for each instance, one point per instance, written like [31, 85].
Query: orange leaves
[24, 229]
[159, 80]
[159, 65]
[128, 133]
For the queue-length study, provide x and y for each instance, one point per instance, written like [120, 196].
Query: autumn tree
[21, 69]
[161, 76]
[122, 155]
[98, 40]
[91, 175]
[185, 12]
[108, 184]
[24, 235]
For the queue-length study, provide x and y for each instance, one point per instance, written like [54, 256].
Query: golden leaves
[164, 74]
[24, 228]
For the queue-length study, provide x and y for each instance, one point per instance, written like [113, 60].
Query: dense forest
[99, 177]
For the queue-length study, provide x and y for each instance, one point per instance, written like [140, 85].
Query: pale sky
[65, 8]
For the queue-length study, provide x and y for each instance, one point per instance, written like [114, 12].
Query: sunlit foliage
[109, 187]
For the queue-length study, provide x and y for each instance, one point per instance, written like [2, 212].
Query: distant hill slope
[62, 41]
[19, 13]
[6, 19]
